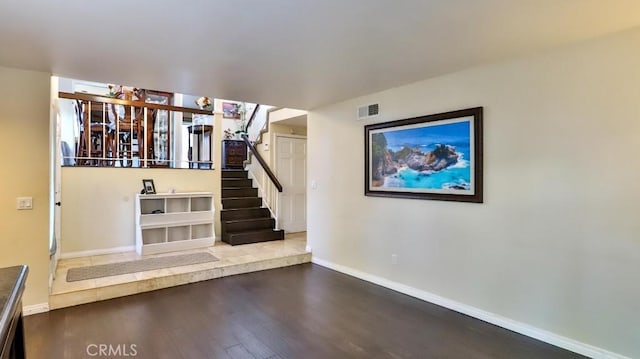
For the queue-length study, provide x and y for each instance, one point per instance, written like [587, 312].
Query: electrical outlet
[25, 202]
[394, 259]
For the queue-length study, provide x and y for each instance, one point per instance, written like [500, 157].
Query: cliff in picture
[431, 157]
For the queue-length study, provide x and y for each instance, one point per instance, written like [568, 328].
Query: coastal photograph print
[437, 157]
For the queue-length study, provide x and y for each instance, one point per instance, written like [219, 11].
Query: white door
[291, 170]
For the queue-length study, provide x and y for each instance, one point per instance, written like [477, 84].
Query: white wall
[556, 245]
[98, 202]
[97, 210]
[285, 114]
[24, 154]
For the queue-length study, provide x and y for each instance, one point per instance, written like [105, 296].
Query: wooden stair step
[246, 237]
[235, 174]
[236, 182]
[242, 225]
[244, 213]
[239, 192]
[241, 202]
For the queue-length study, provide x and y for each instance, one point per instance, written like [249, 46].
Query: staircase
[243, 218]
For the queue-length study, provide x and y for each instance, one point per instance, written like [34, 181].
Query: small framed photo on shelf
[148, 186]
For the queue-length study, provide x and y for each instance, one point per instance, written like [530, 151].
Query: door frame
[55, 167]
[274, 162]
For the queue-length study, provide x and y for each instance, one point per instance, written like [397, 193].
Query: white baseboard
[522, 328]
[97, 252]
[35, 309]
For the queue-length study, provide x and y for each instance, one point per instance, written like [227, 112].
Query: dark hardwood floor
[305, 311]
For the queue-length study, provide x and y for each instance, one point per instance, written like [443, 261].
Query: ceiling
[290, 53]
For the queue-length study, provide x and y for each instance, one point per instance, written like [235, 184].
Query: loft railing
[115, 101]
[126, 132]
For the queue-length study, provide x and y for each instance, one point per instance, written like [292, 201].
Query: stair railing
[266, 190]
[251, 118]
[269, 186]
[264, 165]
[258, 123]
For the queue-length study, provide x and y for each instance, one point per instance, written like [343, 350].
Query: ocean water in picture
[431, 158]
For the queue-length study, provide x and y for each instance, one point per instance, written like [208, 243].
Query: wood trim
[104, 99]
[264, 165]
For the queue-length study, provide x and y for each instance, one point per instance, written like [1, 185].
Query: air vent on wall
[368, 111]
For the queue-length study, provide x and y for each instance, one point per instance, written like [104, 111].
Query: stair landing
[232, 260]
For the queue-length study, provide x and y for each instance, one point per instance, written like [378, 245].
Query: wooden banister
[105, 99]
[264, 165]
[253, 115]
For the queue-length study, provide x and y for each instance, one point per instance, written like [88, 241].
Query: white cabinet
[168, 222]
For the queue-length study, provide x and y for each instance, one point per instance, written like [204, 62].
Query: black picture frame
[148, 186]
[433, 157]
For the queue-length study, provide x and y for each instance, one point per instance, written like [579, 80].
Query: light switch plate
[25, 202]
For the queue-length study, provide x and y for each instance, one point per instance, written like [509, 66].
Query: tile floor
[232, 260]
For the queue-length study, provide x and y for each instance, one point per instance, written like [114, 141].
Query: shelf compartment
[148, 205]
[201, 231]
[199, 204]
[181, 233]
[154, 235]
[175, 205]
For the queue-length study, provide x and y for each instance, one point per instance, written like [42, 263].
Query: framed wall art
[231, 110]
[436, 157]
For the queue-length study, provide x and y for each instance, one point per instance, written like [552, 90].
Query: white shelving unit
[168, 222]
